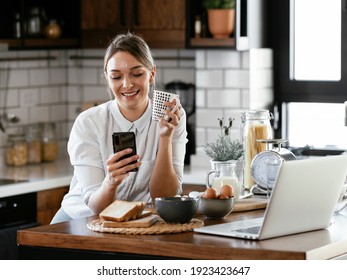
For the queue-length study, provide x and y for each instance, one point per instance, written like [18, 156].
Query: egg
[227, 190]
[210, 193]
[223, 196]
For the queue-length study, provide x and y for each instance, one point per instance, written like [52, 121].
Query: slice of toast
[122, 211]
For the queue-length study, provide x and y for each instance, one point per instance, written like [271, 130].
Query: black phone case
[124, 140]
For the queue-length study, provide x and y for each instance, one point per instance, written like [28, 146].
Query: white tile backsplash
[223, 59]
[236, 78]
[40, 114]
[208, 117]
[89, 76]
[18, 78]
[58, 112]
[200, 59]
[200, 98]
[227, 82]
[209, 78]
[57, 76]
[184, 75]
[12, 97]
[224, 90]
[91, 93]
[39, 77]
[224, 98]
[29, 97]
[50, 95]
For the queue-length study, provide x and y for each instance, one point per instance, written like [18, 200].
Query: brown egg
[210, 193]
[223, 196]
[227, 190]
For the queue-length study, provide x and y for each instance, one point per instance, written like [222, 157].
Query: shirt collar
[138, 125]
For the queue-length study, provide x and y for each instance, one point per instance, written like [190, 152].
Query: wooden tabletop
[321, 244]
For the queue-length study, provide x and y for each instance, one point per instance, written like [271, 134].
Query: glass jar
[49, 142]
[16, 150]
[52, 30]
[255, 126]
[17, 27]
[33, 138]
[34, 26]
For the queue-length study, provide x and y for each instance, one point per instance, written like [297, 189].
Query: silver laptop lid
[305, 196]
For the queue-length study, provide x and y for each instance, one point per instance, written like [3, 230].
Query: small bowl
[176, 209]
[214, 208]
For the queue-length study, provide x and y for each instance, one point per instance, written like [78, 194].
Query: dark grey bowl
[216, 208]
[176, 209]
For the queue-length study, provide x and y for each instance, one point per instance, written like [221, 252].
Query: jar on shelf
[49, 142]
[255, 125]
[52, 30]
[16, 150]
[17, 26]
[34, 25]
[33, 138]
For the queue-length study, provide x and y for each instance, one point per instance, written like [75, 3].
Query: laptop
[303, 199]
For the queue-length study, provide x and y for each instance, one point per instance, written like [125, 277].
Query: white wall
[52, 85]
[229, 82]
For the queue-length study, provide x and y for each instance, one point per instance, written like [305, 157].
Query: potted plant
[220, 17]
[224, 149]
[226, 159]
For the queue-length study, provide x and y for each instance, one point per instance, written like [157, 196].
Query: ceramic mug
[158, 103]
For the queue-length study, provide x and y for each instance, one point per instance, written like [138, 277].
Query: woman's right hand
[118, 169]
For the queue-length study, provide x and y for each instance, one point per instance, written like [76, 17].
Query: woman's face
[129, 82]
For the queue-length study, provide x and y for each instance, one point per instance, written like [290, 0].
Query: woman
[99, 176]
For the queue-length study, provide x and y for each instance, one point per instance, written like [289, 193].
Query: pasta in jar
[256, 126]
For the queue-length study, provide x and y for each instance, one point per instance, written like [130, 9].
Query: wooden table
[72, 240]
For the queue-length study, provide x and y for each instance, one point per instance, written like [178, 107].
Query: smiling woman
[102, 176]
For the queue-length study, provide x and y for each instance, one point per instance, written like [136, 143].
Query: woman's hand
[118, 169]
[171, 119]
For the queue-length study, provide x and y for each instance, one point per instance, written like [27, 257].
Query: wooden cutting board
[138, 223]
[248, 204]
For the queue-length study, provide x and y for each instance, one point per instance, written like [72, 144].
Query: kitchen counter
[72, 240]
[36, 177]
[45, 176]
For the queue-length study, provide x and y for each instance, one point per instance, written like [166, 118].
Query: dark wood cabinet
[19, 17]
[92, 24]
[160, 22]
[48, 203]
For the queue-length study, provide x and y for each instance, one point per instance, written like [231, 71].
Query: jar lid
[16, 137]
[256, 115]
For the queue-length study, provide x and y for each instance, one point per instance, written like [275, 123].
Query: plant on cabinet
[221, 17]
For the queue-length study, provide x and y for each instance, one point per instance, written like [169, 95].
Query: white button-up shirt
[90, 145]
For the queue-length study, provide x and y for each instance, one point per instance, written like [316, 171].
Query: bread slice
[122, 211]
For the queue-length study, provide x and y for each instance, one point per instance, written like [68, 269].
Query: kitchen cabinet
[48, 203]
[160, 22]
[22, 23]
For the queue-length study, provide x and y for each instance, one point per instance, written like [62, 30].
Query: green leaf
[224, 149]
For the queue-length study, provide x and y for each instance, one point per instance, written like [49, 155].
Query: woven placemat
[159, 227]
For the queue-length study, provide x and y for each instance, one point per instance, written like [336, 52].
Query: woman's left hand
[171, 119]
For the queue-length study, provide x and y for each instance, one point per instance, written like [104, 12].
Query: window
[312, 58]
[319, 125]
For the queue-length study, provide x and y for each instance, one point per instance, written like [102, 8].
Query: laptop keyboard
[253, 230]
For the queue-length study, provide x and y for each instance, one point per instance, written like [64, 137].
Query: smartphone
[124, 140]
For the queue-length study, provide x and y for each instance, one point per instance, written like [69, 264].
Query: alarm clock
[266, 165]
